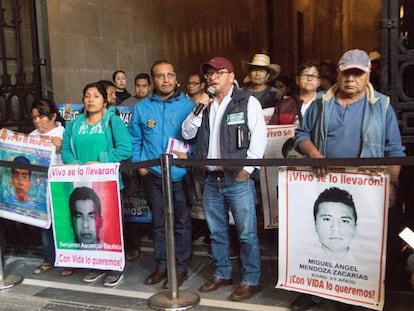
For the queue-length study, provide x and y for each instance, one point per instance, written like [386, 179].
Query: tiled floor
[51, 291]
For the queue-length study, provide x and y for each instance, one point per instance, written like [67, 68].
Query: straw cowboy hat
[374, 55]
[261, 60]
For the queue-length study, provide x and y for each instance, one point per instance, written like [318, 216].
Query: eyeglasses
[168, 75]
[217, 74]
[309, 76]
[193, 83]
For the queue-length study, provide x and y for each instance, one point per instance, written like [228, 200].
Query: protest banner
[268, 113]
[332, 235]
[86, 211]
[23, 196]
[70, 111]
[135, 206]
[125, 113]
[277, 135]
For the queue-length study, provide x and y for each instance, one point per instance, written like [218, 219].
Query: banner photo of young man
[23, 191]
[87, 219]
[332, 235]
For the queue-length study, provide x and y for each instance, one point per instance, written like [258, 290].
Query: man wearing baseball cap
[351, 120]
[231, 126]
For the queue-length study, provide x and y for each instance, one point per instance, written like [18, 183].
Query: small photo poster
[87, 219]
[23, 195]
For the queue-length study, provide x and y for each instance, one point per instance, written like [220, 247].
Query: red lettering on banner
[56, 171]
[314, 282]
[297, 280]
[78, 259]
[298, 176]
[274, 134]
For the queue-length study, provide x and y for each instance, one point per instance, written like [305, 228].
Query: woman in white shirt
[49, 125]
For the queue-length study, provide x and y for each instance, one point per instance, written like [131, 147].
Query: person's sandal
[67, 272]
[44, 267]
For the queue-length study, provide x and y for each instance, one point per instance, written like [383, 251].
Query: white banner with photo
[23, 196]
[332, 235]
[277, 135]
[87, 219]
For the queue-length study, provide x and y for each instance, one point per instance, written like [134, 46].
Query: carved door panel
[21, 25]
[397, 39]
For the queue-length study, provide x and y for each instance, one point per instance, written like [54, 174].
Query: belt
[215, 174]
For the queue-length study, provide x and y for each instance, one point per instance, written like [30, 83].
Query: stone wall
[90, 39]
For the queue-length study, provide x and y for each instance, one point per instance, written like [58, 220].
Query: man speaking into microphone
[210, 93]
[232, 127]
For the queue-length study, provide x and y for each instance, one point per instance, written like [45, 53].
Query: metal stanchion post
[10, 280]
[171, 299]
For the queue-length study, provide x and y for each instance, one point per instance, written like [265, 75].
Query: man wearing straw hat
[259, 72]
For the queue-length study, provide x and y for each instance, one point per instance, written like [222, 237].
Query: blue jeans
[239, 197]
[182, 222]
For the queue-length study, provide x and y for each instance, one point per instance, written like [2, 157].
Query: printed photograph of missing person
[85, 211]
[86, 215]
[335, 219]
[21, 180]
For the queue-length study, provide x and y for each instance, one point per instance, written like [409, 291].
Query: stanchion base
[10, 280]
[163, 301]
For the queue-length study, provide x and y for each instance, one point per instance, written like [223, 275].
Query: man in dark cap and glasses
[231, 126]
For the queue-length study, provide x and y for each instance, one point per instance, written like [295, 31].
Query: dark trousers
[48, 245]
[182, 221]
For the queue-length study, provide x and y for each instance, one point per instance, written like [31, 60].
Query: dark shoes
[214, 283]
[304, 302]
[181, 277]
[155, 277]
[132, 254]
[244, 291]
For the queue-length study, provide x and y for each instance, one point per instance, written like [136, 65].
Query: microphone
[210, 92]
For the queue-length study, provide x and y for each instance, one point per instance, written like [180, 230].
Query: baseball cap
[217, 63]
[355, 59]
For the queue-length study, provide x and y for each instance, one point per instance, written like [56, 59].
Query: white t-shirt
[56, 132]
